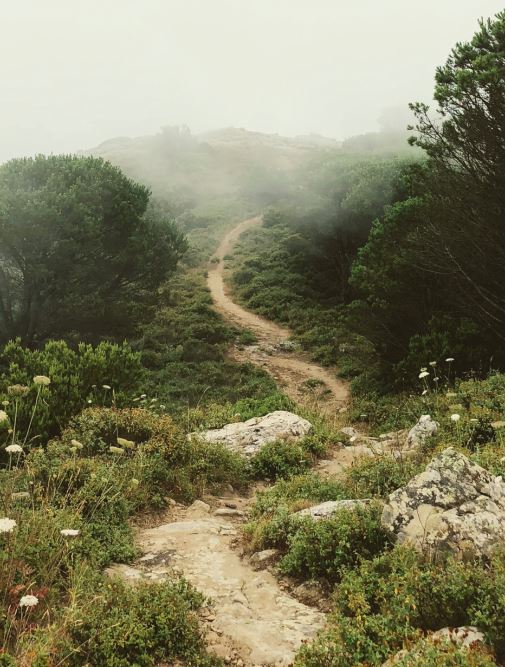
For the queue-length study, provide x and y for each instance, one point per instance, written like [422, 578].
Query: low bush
[325, 548]
[144, 626]
[280, 459]
[390, 600]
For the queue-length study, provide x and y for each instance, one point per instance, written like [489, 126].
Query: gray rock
[465, 636]
[327, 509]
[263, 558]
[228, 511]
[248, 437]
[453, 505]
[424, 428]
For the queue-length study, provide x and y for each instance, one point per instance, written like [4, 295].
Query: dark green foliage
[143, 625]
[378, 477]
[280, 459]
[389, 600]
[77, 377]
[328, 547]
[81, 253]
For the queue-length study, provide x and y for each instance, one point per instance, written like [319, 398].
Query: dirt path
[251, 620]
[301, 379]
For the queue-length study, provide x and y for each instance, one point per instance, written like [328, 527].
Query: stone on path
[328, 508]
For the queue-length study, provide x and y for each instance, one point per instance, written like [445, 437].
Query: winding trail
[291, 370]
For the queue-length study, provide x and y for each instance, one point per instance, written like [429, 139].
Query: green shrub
[378, 476]
[388, 601]
[143, 626]
[325, 548]
[280, 459]
[446, 654]
[77, 376]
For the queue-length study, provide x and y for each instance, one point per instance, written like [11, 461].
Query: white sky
[77, 72]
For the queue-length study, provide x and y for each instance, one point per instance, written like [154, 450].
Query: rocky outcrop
[248, 437]
[327, 509]
[425, 428]
[453, 505]
[466, 636]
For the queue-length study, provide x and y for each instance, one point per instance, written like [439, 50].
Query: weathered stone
[227, 511]
[327, 509]
[453, 505]
[419, 433]
[466, 636]
[248, 437]
[263, 558]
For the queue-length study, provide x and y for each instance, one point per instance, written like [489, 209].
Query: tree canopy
[81, 248]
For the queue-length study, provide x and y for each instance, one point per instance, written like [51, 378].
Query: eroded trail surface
[251, 621]
[293, 371]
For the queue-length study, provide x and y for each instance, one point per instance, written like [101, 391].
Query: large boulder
[453, 505]
[248, 437]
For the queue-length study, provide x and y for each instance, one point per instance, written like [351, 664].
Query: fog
[77, 72]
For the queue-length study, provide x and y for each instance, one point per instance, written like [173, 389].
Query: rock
[227, 511]
[466, 636]
[453, 505]
[424, 428]
[309, 592]
[350, 431]
[248, 437]
[198, 508]
[263, 558]
[325, 510]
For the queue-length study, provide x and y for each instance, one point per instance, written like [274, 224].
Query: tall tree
[81, 250]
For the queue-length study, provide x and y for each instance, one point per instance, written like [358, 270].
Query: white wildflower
[7, 525]
[14, 449]
[455, 417]
[4, 417]
[143, 396]
[5, 403]
[423, 374]
[116, 450]
[106, 386]
[423, 369]
[424, 392]
[89, 400]
[42, 380]
[29, 601]
[449, 359]
[161, 406]
[69, 532]
[433, 363]
[76, 444]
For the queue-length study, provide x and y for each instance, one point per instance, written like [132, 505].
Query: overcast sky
[77, 72]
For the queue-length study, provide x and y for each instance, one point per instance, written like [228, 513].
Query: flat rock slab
[248, 437]
[266, 623]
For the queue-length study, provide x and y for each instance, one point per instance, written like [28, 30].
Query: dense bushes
[389, 600]
[105, 374]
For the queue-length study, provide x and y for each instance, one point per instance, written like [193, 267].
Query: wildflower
[424, 392]
[143, 395]
[42, 380]
[7, 525]
[451, 394]
[433, 363]
[29, 601]
[475, 421]
[136, 399]
[76, 444]
[134, 482]
[423, 369]
[162, 407]
[123, 442]
[435, 379]
[154, 400]
[4, 417]
[14, 449]
[5, 403]
[455, 417]
[17, 390]
[423, 374]
[116, 450]
[449, 359]
[69, 532]
[106, 386]
[89, 400]
[498, 424]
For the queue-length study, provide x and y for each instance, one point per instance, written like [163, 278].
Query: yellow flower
[42, 380]
[129, 444]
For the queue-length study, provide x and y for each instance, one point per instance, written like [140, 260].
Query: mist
[77, 73]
